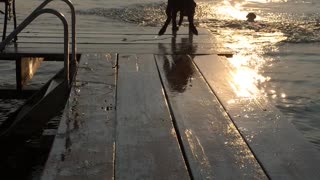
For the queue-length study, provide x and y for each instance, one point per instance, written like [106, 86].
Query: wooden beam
[131, 48]
[280, 148]
[84, 146]
[146, 145]
[212, 144]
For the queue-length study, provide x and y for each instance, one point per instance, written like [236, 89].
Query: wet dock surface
[168, 117]
[149, 107]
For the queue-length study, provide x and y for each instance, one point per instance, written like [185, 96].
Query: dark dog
[186, 8]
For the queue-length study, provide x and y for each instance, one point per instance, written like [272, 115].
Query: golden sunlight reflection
[248, 62]
[266, 1]
[244, 82]
[233, 10]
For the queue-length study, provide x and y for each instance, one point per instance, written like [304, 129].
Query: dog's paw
[193, 29]
[175, 29]
[162, 31]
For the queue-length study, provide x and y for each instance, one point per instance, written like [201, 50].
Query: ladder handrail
[38, 11]
[73, 25]
[33, 16]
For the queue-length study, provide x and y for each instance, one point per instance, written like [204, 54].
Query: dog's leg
[169, 17]
[181, 18]
[174, 21]
[164, 27]
[192, 28]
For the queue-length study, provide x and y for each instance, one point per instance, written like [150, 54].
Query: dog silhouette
[186, 8]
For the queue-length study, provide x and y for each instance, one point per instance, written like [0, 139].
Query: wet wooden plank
[281, 149]
[133, 36]
[106, 27]
[213, 146]
[84, 145]
[146, 145]
[96, 68]
[94, 34]
[155, 48]
[107, 39]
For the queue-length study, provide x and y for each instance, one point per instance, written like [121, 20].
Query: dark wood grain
[146, 143]
[85, 143]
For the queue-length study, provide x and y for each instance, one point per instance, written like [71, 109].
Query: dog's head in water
[251, 16]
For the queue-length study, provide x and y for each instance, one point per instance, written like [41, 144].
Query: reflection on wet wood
[213, 146]
[281, 149]
[84, 145]
[146, 145]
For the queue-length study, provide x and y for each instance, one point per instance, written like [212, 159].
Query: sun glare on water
[244, 80]
[232, 9]
[249, 42]
[246, 76]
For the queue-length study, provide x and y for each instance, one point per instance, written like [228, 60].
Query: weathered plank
[155, 48]
[135, 36]
[93, 34]
[84, 145]
[213, 146]
[146, 143]
[107, 39]
[281, 149]
[105, 27]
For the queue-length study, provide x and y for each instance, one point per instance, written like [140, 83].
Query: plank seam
[92, 82]
[175, 126]
[116, 66]
[225, 109]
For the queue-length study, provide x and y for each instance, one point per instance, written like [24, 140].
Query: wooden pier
[148, 107]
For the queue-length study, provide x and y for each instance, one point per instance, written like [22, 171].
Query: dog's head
[251, 16]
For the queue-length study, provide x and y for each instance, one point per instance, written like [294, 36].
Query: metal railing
[37, 12]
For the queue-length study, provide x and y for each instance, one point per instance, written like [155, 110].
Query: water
[279, 52]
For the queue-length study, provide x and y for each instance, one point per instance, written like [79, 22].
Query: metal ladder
[51, 98]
